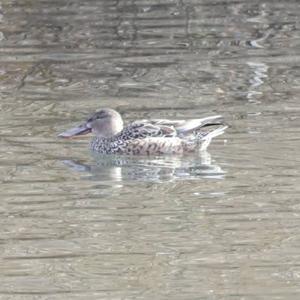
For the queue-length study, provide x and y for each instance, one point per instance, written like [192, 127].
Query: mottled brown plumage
[147, 137]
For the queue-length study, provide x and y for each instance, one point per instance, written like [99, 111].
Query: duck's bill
[76, 131]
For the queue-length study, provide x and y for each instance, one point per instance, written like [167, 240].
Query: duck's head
[104, 123]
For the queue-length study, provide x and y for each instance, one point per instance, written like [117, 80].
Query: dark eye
[100, 114]
[94, 117]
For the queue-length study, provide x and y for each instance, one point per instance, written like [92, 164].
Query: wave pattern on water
[74, 226]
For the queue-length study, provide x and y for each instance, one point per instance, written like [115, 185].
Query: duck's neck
[106, 139]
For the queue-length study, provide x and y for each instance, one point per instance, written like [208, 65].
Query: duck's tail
[193, 125]
[204, 138]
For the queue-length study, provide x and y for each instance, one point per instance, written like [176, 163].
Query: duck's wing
[195, 124]
[183, 127]
[145, 128]
[167, 128]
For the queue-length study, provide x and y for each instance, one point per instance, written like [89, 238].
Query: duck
[147, 137]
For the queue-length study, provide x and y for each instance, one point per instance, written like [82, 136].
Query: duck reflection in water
[148, 168]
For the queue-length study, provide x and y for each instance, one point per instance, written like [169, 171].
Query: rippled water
[220, 225]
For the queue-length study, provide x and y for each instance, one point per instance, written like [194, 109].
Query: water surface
[219, 225]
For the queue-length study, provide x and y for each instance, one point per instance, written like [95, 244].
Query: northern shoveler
[147, 137]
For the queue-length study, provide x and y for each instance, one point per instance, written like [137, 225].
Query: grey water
[224, 224]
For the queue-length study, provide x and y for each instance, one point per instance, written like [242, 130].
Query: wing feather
[144, 129]
[165, 128]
